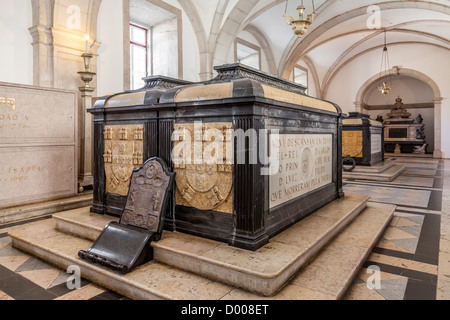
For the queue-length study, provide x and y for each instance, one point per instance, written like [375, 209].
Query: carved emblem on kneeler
[203, 184]
[124, 151]
[145, 198]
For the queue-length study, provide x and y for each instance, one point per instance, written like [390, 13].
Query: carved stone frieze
[124, 149]
[201, 183]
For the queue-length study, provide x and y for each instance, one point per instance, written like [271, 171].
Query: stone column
[86, 177]
[437, 128]
[42, 56]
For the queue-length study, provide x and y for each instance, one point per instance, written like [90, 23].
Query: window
[248, 54]
[139, 55]
[301, 76]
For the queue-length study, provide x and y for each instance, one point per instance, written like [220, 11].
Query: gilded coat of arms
[123, 153]
[352, 144]
[203, 183]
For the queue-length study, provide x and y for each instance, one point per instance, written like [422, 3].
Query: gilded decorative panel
[124, 147]
[352, 144]
[201, 182]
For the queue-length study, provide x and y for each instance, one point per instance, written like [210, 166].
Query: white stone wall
[110, 53]
[16, 54]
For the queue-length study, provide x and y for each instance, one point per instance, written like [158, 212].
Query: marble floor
[412, 257]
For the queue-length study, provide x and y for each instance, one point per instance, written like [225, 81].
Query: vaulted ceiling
[343, 30]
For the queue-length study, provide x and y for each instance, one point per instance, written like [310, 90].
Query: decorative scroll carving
[161, 82]
[201, 185]
[352, 144]
[123, 152]
[238, 71]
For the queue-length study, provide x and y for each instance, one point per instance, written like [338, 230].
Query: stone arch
[336, 69]
[342, 61]
[359, 101]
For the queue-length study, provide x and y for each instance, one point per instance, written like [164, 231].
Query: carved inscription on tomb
[203, 183]
[304, 165]
[376, 143]
[124, 147]
[146, 197]
[352, 144]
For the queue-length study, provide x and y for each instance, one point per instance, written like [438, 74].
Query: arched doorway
[364, 102]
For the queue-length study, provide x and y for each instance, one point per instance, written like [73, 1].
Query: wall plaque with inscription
[305, 165]
[38, 144]
[377, 143]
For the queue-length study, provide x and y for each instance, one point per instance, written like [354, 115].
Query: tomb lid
[236, 81]
[360, 119]
[154, 87]
[233, 81]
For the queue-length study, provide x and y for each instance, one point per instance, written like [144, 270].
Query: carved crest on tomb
[352, 144]
[201, 182]
[124, 149]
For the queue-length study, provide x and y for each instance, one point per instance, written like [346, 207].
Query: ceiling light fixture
[300, 26]
[385, 71]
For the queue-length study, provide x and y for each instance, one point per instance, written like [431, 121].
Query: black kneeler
[126, 245]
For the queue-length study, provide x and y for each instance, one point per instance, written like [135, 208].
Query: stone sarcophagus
[402, 133]
[252, 153]
[362, 139]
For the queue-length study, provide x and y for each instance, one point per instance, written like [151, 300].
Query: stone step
[388, 175]
[376, 168]
[263, 272]
[35, 210]
[330, 274]
[152, 281]
[82, 223]
[326, 277]
[267, 270]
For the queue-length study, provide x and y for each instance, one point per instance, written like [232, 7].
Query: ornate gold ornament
[300, 26]
[8, 102]
[385, 71]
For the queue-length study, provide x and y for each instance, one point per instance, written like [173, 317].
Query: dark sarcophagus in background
[362, 139]
[277, 152]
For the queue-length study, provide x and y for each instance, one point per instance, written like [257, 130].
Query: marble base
[38, 209]
[190, 268]
[385, 171]
[410, 155]
[267, 270]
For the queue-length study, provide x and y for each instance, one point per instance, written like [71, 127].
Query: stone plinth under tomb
[363, 141]
[279, 156]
